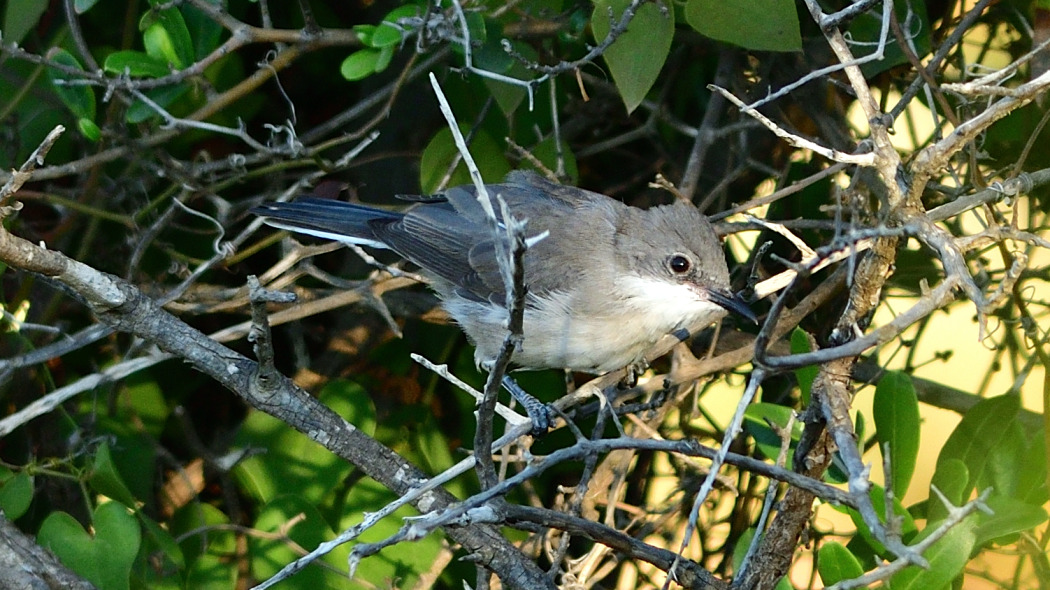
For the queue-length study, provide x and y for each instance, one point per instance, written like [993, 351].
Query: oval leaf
[878, 500]
[951, 479]
[389, 32]
[835, 563]
[757, 420]
[295, 464]
[135, 64]
[635, 57]
[385, 55]
[763, 25]
[1007, 461]
[310, 529]
[16, 492]
[20, 17]
[493, 58]
[167, 38]
[947, 558]
[801, 342]
[105, 479]
[439, 153]
[364, 33]
[163, 96]
[896, 412]
[89, 130]
[1009, 517]
[973, 441]
[78, 98]
[360, 64]
[201, 530]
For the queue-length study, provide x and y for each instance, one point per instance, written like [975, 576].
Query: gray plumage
[606, 283]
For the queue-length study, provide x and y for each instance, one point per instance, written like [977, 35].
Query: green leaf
[131, 456]
[861, 429]
[16, 492]
[139, 111]
[82, 6]
[159, 45]
[292, 516]
[202, 530]
[835, 563]
[79, 99]
[1031, 481]
[205, 31]
[105, 560]
[20, 17]
[389, 33]
[166, 37]
[1010, 517]
[293, 463]
[359, 64]
[211, 572]
[385, 55]
[364, 33]
[740, 548]
[951, 479]
[1007, 461]
[105, 479]
[477, 30]
[142, 401]
[800, 343]
[975, 438]
[89, 129]
[394, 562]
[878, 499]
[636, 57]
[896, 413]
[164, 553]
[439, 153]
[135, 64]
[546, 153]
[947, 558]
[491, 57]
[762, 25]
[756, 423]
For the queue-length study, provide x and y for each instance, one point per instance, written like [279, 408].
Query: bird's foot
[631, 373]
[539, 412]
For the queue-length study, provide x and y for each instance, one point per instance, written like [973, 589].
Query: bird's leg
[538, 411]
[630, 378]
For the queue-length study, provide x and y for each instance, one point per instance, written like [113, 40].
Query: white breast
[561, 331]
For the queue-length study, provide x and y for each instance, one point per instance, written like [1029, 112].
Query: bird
[604, 281]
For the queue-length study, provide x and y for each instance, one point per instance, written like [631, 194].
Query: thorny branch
[874, 269]
[125, 308]
[870, 247]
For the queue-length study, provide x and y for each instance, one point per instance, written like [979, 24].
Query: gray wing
[525, 192]
[568, 214]
[454, 241]
[438, 239]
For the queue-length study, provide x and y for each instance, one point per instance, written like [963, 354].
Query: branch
[124, 308]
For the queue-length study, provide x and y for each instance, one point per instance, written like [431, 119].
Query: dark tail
[325, 218]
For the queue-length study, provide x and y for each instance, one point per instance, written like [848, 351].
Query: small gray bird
[602, 287]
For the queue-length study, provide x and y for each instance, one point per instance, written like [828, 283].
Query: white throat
[664, 305]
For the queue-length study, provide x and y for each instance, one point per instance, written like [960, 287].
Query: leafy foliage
[146, 473]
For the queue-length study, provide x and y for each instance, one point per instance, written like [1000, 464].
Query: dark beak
[731, 302]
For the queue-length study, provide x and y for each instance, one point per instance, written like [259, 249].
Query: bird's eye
[679, 264]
